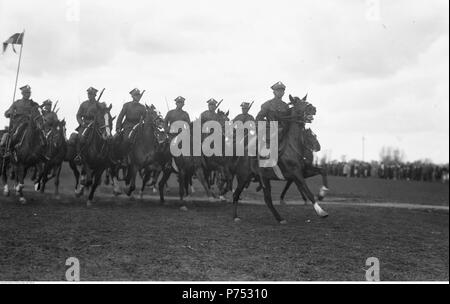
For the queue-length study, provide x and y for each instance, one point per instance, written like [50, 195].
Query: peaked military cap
[179, 99]
[245, 105]
[93, 90]
[212, 101]
[47, 102]
[278, 86]
[135, 91]
[25, 88]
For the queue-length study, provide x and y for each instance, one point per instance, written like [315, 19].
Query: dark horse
[311, 145]
[145, 148]
[290, 163]
[28, 150]
[55, 155]
[95, 145]
[185, 166]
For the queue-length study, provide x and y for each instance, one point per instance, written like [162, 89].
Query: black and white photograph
[224, 142]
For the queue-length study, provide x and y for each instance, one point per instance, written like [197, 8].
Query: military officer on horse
[49, 116]
[21, 110]
[86, 114]
[244, 116]
[177, 114]
[131, 114]
[211, 113]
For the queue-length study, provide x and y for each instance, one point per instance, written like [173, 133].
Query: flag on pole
[17, 38]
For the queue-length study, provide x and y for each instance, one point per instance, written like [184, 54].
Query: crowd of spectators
[417, 171]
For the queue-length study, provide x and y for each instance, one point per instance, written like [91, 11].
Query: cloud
[385, 78]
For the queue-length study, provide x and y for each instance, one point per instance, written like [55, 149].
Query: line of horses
[149, 155]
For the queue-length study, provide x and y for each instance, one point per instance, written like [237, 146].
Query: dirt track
[119, 239]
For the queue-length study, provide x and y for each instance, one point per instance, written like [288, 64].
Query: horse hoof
[211, 199]
[22, 200]
[283, 202]
[188, 198]
[222, 198]
[184, 208]
[283, 222]
[6, 193]
[132, 198]
[320, 198]
[237, 220]
[319, 211]
[89, 203]
[323, 192]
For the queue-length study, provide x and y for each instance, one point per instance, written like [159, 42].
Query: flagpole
[18, 66]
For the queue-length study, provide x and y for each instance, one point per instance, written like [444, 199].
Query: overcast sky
[377, 69]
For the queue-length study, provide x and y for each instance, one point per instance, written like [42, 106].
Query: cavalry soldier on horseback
[85, 115]
[177, 114]
[49, 116]
[133, 112]
[19, 111]
[276, 107]
[210, 114]
[274, 110]
[244, 116]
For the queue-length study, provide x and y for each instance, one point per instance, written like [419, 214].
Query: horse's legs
[76, 173]
[181, 187]
[43, 179]
[4, 174]
[237, 193]
[283, 193]
[162, 183]
[113, 175]
[131, 179]
[20, 176]
[145, 178]
[97, 176]
[324, 189]
[203, 180]
[302, 186]
[268, 199]
[311, 171]
[57, 174]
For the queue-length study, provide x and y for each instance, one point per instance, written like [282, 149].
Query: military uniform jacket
[133, 112]
[88, 110]
[208, 115]
[272, 110]
[175, 115]
[244, 118]
[23, 107]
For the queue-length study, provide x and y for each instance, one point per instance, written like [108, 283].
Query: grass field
[119, 239]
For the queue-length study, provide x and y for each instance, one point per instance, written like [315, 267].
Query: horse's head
[302, 109]
[222, 117]
[154, 120]
[104, 120]
[57, 136]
